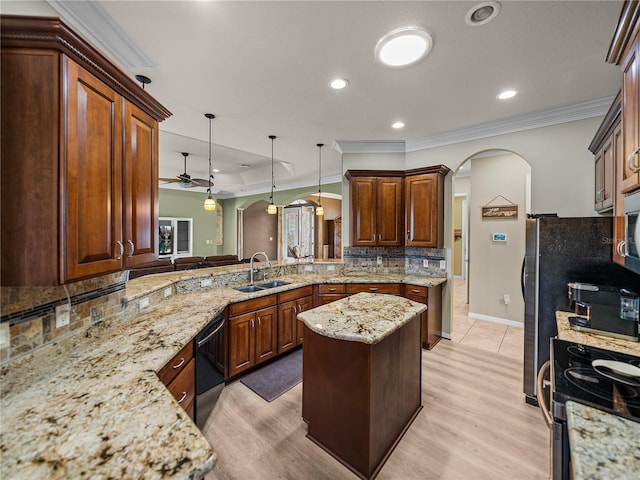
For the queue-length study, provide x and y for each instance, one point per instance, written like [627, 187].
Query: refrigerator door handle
[523, 275]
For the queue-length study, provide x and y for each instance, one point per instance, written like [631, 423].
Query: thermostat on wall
[499, 237]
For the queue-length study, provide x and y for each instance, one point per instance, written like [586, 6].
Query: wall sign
[507, 211]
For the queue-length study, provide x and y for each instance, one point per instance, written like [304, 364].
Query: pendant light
[272, 209]
[210, 203]
[319, 209]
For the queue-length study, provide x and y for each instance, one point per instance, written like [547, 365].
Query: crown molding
[370, 146]
[282, 188]
[554, 116]
[97, 26]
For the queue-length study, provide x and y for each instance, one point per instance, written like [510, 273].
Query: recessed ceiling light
[403, 46]
[215, 170]
[507, 94]
[397, 125]
[338, 83]
[482, 13]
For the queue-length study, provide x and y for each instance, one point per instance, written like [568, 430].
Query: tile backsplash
[30, 314]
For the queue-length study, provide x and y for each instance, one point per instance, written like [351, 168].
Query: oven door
[209, 353]
[632, 232]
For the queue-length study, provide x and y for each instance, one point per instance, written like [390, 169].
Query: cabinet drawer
[177, 364]
[416, 290]
[330, 297]
[183, 386]
[331, 288]
[392, 288]
[252, 305]
[295, 294]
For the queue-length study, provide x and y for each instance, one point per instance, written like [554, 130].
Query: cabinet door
[390, 211]
[363, 211]
[618, 204]
[141, 187]
[422, 211]
[266, 336]
[287, 326]
[303, 304]
[630, 120]
[241, 343]
[93, 180]
[599, 180]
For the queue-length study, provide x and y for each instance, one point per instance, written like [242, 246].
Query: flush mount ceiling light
[339, 83]
[397, 125]
[210, 203]
[403, 46]
[507, 94]
[482, 13]
[272, 209]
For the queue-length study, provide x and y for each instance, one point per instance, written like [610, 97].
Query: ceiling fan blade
[169, 180]
[200, 182]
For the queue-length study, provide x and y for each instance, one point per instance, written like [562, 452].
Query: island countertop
[364, 317]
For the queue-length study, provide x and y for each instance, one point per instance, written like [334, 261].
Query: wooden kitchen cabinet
[88, 133]
[290, 304]
[432, 317]
[389, 288]
[608, 153]
[253, 336]
[329, 292]
[179, 377]
[424, 207]
[376, 211]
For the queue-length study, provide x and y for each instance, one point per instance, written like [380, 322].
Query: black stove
[577, 377]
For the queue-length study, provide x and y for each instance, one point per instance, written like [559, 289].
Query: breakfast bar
[361, 377]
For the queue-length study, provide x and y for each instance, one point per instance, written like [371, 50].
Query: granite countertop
[364, 317]
[603, 445]
[92, 406]
[591, 339]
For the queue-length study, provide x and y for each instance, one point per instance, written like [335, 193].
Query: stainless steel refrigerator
[559, 251]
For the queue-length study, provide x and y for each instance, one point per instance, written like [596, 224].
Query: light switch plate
[207, 282]
[443, 264]
[168, 292]
[379, 260]
[425, 263]
[62, 315]
[144, 302]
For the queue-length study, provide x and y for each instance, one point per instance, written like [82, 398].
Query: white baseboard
[489, 318]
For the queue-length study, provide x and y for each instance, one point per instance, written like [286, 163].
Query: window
[176, 237]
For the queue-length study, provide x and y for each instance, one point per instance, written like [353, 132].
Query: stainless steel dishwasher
[209, 355]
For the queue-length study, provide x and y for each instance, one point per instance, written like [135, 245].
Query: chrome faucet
[251, 262]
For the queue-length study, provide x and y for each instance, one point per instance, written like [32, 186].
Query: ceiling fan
[185, 179]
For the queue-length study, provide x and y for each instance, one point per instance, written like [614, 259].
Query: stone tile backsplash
[30, 311]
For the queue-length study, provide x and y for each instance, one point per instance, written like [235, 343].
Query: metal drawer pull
[415, 291]
[179, 364]
[630, 164]
[119, 243]
[373, 289]
[620, 248]
[184, 395]
[133, 248]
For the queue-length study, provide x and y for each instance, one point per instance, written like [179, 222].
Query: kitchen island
[361, 377]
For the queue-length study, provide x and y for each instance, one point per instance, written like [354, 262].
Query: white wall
[495, 267]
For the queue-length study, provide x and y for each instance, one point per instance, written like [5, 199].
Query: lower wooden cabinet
[290, 304]
[329, 292]
[389, 288]
[179, 377]
[432, 317]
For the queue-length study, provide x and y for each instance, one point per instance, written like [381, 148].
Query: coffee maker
[604, 310]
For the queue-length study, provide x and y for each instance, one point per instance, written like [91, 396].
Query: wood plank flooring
[474, 425]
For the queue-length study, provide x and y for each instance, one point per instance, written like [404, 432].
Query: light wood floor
[474, 425]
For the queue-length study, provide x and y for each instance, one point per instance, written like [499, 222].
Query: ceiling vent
[482, 13]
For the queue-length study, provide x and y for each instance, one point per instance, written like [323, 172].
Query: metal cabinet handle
[295, 309]
[630, 164]
[415, 291]
[373, 289]
[546, 412]
[259, 322]
[253, 325]
[620, 248]
[133, 248]
[179, 364]
[119, 243]
[332, 289]
[184, 395]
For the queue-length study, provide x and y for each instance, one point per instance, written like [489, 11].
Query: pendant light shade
[319, 209]
[272, 209]
[210, 202]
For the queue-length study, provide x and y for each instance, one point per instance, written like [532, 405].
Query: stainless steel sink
[272, 284]
[249, 289]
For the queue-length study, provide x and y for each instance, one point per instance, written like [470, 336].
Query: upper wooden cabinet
[424, 207]
[624, 51]
[79, 159]
[395, 208]
[376, 211]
